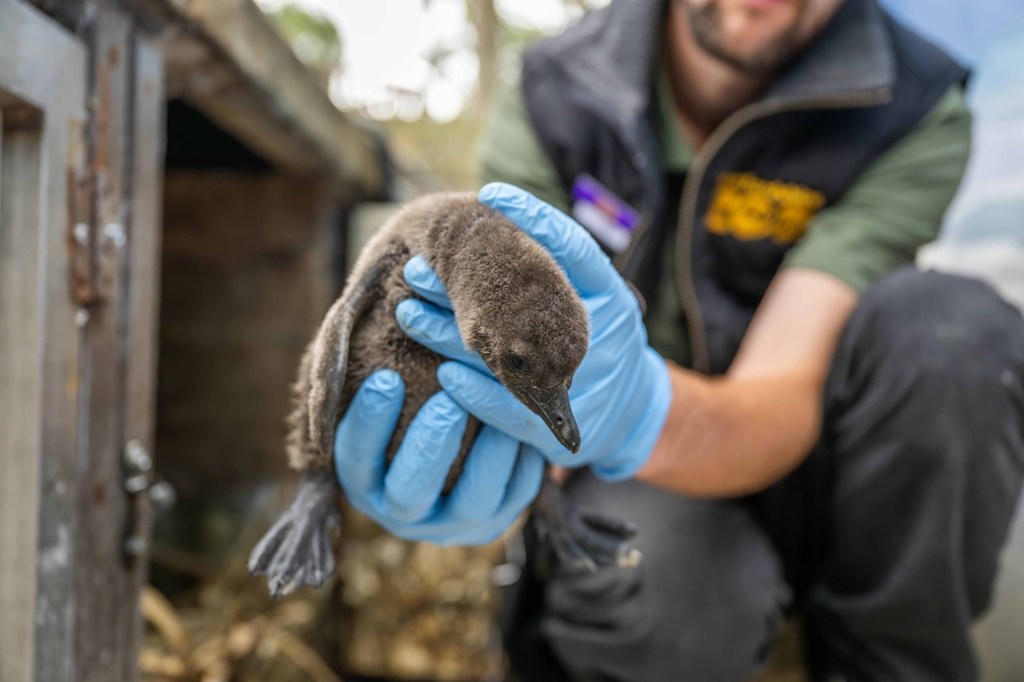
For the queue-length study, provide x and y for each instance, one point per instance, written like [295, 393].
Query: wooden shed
[151, 150]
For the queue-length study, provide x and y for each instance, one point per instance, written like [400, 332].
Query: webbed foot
[296, 551]
[582, 540]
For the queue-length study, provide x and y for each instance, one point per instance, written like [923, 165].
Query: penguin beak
[553, 407]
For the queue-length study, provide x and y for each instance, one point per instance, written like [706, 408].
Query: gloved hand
[621, 392]
[497, 483]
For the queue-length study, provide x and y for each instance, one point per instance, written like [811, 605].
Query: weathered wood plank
[40, 65]
[20, 390]
[70, 13]
[227, 59]
[239, 111]
[273, 81]
[144, 240]
[64, 145]
[153, 15]
[141, 301]
[33, 50]
[105, 595]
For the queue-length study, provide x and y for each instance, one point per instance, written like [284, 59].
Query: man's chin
[748, 41]
[753, 52]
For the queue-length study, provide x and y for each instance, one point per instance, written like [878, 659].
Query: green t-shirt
[895, 207]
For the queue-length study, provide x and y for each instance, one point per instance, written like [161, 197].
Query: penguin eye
[517, 364]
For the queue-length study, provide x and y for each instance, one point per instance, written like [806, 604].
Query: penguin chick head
[532, 332]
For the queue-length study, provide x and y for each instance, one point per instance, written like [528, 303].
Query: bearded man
[845, 434]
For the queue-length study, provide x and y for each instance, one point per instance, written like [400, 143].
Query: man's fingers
[436, 329]
[362, 437]
[444, 528]
[588, 268]
[491, 403]
[524, 484]
[485, 476]
[416, 476]
[523, 487]
[425, 282]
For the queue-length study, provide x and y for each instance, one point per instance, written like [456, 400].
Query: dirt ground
[404, 611]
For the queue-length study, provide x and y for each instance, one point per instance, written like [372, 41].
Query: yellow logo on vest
[750, 208]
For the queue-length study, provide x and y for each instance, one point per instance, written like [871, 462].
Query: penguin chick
[513, 306]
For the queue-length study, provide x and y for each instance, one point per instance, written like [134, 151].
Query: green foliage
[314, 38]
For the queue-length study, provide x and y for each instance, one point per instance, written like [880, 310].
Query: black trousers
[885, 540]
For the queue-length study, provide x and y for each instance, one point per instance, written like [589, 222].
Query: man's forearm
[734, 436]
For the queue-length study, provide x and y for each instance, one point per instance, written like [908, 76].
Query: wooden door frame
[119, 346]
[42, 73]
[93, 97]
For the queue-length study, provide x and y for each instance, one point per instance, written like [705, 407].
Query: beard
[706, 26]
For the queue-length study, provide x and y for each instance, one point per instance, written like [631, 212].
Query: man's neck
[705, 90]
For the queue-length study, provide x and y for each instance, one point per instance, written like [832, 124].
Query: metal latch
[147, 493]
[94, 254]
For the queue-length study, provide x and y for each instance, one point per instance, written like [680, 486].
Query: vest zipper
[699, 355]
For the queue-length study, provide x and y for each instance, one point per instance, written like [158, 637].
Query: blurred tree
[434, 152]
[314, 38]
[485, 18]
[442, 155]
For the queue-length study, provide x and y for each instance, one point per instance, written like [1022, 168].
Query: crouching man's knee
[934, 328]
[925, 405]
[927, 354]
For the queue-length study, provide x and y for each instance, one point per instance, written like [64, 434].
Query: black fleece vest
[761, 176]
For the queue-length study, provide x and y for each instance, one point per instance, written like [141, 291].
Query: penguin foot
[296, 551]
[582, 540]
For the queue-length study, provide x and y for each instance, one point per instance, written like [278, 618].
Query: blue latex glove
[621, 392]
[497, 483]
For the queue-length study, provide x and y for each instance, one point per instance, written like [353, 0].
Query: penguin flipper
[329, 356]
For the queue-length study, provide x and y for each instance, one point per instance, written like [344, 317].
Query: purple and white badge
[610, 219]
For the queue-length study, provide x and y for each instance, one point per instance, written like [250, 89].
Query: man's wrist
[666, 447]
[639, 444]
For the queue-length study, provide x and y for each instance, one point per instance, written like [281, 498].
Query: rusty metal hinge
[81, 195]
[94, 251]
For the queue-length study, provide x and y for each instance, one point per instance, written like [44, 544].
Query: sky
[971, 29]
